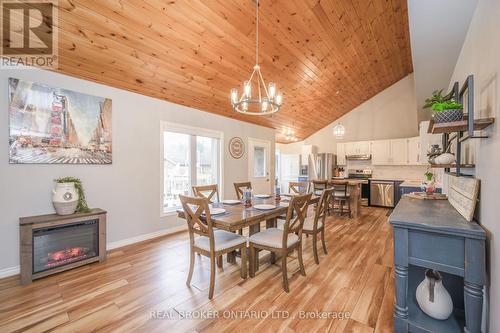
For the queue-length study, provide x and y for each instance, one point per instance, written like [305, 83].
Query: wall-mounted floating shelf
[459, 126]
[460, 131]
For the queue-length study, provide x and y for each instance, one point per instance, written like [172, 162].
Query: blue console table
[432, 234]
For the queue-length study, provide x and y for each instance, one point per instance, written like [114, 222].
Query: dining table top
[237, 216]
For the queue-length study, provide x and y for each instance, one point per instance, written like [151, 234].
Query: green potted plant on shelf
[445, 109]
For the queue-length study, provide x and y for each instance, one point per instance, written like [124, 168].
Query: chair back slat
[239, 187]
[322, 208]
[198, 218]
[319, 185]
[297, 187]
[295, 216]
[340, 186]
[207, 191]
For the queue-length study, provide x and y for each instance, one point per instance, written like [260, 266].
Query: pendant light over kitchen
[266, 100]
[339, 131]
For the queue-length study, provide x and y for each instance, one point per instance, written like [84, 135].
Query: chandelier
[266, 100]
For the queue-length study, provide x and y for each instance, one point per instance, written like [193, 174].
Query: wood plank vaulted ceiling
[326, 56]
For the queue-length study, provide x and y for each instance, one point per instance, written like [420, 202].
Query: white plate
[264, 207]
[285, 199]
[231, 202]
[217, 211]
[286, 194]
[262, 196]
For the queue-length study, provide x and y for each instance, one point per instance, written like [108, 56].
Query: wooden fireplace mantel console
[431, 234]
[30, 224]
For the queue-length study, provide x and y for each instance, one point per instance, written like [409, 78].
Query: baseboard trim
[10, 271]
[142, 238]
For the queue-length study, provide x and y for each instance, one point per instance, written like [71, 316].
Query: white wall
[130, 188]
[391, 113]
[480, 56]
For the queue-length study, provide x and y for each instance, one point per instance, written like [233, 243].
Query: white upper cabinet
[381, 152]
[363, 147]
[341, 154]
[414, 152]
[357, 148]
[399, 152]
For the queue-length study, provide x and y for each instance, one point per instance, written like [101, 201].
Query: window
[190, 157]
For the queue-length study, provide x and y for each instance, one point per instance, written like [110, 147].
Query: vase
[65, 198]
[448, 116]
[432, 296]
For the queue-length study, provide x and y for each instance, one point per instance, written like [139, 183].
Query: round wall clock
[236, 147]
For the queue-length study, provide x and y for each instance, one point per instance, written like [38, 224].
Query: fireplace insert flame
[63, 245]
[66, 256]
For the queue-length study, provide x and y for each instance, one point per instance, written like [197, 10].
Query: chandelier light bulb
[247, 89]
[271, 90]
[278, 99]
[234, 95]
[264, 105]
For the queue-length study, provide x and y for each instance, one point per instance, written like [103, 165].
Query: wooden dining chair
[239, 187]
[207, 191]
[203, 239]
[341, 196]
[282, 241]
[316, 225]
[297, 187]
[319, 186]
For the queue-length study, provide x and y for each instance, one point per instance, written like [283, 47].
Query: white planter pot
[65, 198]
[432, 296]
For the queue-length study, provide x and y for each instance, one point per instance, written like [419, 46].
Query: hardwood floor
[147, 280]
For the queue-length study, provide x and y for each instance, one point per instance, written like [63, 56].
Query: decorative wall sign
[57, 126]
[236, 147]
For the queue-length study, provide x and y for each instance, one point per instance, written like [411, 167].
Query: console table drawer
[437, 251]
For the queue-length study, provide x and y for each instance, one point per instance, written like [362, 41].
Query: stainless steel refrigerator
[323, 166]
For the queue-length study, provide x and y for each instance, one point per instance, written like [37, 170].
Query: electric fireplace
[64, 244]
[54, 243]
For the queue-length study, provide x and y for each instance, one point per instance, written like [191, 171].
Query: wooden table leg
[272, 223]
[355, 201]
[253, 229]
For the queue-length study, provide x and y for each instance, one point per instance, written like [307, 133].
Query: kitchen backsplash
[405, 172]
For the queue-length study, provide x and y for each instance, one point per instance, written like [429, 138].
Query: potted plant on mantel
[445, 108]
[69, 196]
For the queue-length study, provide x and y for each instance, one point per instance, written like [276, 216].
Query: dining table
[237, 216]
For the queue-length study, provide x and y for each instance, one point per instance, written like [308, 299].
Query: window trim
[193, 131]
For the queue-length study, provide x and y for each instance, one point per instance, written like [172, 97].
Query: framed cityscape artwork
[57, 126]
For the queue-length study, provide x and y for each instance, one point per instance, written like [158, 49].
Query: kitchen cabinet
[381, 152]
[414, 151]
[390, 152]
[399, 152]
[341, 160]
[357, 148]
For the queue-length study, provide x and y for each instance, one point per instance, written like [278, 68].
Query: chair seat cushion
[223, 240]
[273, 237]
[341, 194]
[309, 224]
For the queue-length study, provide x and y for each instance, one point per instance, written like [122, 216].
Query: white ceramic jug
[65, 198]
[432, 296]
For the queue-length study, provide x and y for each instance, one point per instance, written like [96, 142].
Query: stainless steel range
[359, 173]
[363, 174]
